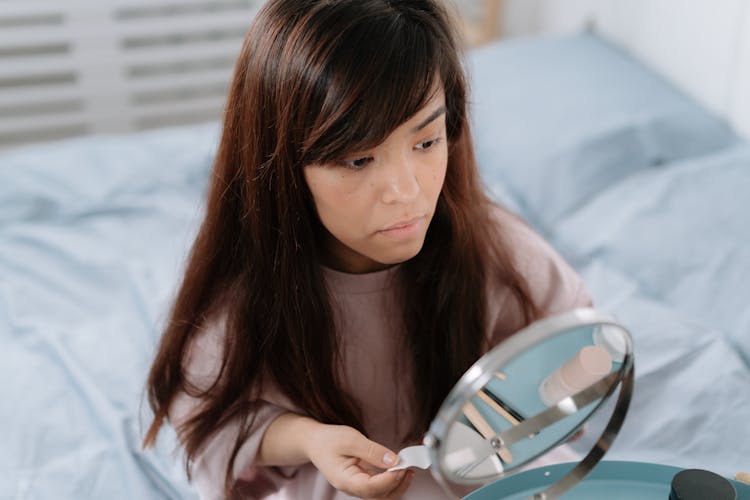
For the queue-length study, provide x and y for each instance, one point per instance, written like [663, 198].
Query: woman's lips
[404, 229]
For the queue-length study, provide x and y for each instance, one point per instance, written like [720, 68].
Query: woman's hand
[352, 463]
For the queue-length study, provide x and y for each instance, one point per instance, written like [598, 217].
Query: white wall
[519, 17]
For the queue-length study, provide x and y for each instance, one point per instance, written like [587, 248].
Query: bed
[645, 193]
[639, 185]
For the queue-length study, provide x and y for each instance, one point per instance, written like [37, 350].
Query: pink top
[365, 310]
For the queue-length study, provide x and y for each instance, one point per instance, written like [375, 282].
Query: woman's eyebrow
[430, 118]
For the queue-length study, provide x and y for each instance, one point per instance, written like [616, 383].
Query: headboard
[82, 66]
[702, 46]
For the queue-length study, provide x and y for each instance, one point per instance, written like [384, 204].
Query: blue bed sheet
[93, 233]
[682, 232]
[691, 403]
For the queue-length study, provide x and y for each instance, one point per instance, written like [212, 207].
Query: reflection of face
[376, 205]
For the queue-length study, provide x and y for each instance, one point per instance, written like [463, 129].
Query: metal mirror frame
[481, 372]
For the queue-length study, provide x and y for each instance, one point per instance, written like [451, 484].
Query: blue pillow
[556, 119]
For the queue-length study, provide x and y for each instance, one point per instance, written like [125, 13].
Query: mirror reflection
[534, 402]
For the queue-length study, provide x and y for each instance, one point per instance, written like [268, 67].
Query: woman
[349, 268]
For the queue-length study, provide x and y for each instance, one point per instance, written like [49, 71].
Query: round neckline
[375, 281]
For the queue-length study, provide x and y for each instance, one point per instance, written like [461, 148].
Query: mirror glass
[528, 395]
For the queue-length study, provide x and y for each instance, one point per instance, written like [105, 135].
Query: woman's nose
[400, 183]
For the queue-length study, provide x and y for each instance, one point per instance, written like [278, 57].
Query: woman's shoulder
[205, 355]
[552, 282]
[205, 350]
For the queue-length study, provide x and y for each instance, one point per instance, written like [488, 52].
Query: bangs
[367, 92]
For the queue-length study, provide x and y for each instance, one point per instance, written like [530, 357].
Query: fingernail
[389, 458]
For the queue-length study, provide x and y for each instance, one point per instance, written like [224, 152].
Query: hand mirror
[530, 394]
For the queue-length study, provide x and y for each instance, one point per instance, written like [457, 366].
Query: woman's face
[376, 205]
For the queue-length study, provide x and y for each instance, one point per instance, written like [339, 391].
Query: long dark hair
[316, 80]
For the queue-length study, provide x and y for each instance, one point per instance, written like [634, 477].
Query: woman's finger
[402, 487]
[364, 485]
[371, 452]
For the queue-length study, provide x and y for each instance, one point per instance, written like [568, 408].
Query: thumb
[373, 453]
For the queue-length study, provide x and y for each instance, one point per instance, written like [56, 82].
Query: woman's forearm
[342, 454]
[284, 442]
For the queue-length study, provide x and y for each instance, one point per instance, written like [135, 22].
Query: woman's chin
[401, 256]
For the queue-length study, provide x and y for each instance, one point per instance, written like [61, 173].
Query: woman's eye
[427, 144]
[356, 164]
